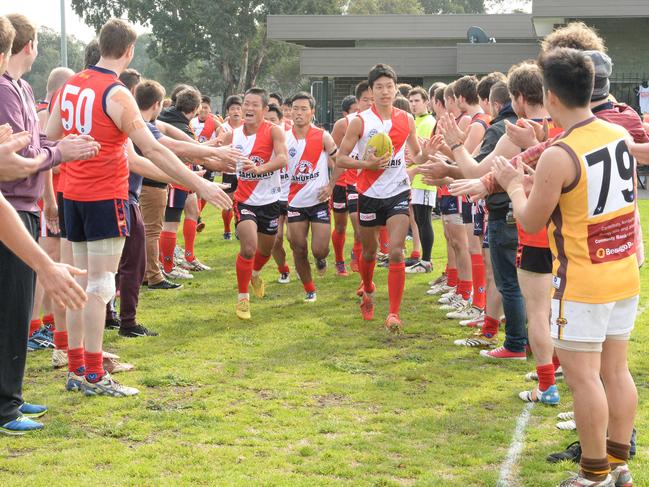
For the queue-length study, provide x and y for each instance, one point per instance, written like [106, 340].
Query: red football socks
[76, 362]
[396, 285]
[546, 376]
[34, 326]
[384, 240]
[309, 287]
[227, 220]
[338, 241]
[61, 340]
[490, 326]
[260, 261]
[357, 249]
[167, 246]
[555, 362]
[464, 289]
[415, 254]
[48, 320]
[244, 273]
[479, 280]
[189, 233]
[284, 269]
[451, 277]
[366, 269]
[94, 366]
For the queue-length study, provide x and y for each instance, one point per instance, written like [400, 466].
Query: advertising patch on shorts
[293, 214]
[322, 214]
[367, 217]
[612, 240]
[339, 206]
[556, 282]
[247, 212]
[273, 223]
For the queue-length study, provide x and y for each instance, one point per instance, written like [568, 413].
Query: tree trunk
[256, 65]
[243, 69]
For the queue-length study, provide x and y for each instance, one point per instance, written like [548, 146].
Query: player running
[310, 150]
[383, 187]
[256, 200]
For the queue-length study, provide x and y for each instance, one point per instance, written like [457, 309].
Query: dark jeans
[131, 269]
[503, 242]
[17, 283]
[423, 219]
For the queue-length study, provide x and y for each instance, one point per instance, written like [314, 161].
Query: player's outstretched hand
[473, 187]
[13, 166]
[507, 175]
[212, 193]
[78, 147]
[58, 282]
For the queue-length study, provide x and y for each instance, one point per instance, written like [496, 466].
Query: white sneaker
[469, 312]
[179, 255]
[456, 305]
[566, 416]
[284, 278]
[420, 267]
[194, 266]
[107, 386]
[476, 323]
[178, 273]
[447, 297]
[441, 280]
[59, 358]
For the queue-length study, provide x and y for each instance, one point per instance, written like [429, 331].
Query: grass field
[303, 394]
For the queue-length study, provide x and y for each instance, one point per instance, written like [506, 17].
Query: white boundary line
[515, 447]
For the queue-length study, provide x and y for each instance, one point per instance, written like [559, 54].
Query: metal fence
[624, 87]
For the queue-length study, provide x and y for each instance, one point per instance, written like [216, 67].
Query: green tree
[225, 41]
[382, 7]
[49, 57]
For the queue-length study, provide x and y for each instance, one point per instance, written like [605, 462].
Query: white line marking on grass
[515, 447]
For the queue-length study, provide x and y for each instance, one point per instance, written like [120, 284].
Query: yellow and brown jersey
[592, 229]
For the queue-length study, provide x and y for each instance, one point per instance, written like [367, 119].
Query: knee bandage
[102, 286]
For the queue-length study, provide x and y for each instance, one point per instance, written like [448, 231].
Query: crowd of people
[532, 172]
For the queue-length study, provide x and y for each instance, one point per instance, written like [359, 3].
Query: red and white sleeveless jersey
[284, 177]
[226, 127]
[83, 112]
[253, 189]
[307, 166]
[385, 183]
[351, 175]
[204, 130]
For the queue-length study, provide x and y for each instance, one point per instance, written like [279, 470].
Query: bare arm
[123, 110]
[555, 171]
[144, 167]
[338, 132]
[351, 138]
[474, 136]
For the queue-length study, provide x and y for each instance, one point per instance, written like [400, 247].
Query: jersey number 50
[77, 114]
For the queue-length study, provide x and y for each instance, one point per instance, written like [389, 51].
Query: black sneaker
[165, 284]
[137, 331]
[572, 453]
[112, 323]
[409, 262]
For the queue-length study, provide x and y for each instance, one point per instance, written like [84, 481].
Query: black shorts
[59, 202]
[467, 212]
[176, 199]
[87, 221]
[339, 199]
[315, 214]
[352, 199]
[449, 205]
[266, 217]
[283, 208]
[232, 180]
[534, 259]
[479, 223]
[374, 212]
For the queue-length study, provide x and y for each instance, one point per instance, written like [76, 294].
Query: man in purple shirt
[17, 280]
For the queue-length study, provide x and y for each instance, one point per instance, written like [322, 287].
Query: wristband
[515, 191]
[455, 146]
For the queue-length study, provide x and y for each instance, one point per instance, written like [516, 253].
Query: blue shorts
[87, 221]
[449, 205]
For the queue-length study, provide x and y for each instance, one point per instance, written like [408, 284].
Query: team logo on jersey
[202, 139]
[372, 133]
[292, 151]
[304, 167]
[252, 176]
[239, 146]
[304, 173]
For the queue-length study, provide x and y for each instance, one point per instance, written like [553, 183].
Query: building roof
[584, 9]
[345, 30]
